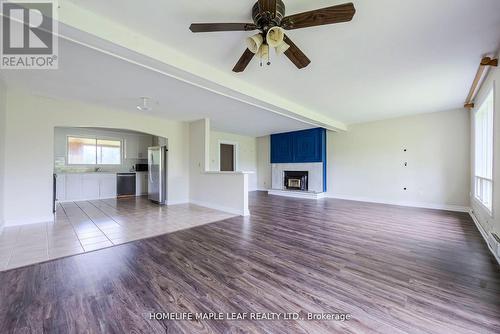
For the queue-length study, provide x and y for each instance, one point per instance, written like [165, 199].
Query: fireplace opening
[296, 180]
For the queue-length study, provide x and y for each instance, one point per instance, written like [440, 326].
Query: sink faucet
[98, 169]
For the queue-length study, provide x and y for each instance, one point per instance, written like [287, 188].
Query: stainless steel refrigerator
[157, 180]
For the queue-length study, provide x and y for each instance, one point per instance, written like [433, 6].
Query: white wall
[3, 102]
[227, 191]
[490, 223]
[367, 162]
[29, 150]
[264, 171]
[246, 155]
[127, 138]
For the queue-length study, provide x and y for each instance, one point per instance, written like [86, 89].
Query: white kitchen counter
[85, 186]
[93, 173]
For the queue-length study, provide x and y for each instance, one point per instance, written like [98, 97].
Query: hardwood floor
[393, 269]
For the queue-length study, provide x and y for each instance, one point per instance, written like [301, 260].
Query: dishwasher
[125, 184]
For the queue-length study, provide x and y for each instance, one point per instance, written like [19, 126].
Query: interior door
[226, 158]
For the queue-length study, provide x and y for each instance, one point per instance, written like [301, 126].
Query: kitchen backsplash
[127, 166]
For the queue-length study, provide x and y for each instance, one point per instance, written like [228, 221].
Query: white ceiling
[395, 58]
[94, 77]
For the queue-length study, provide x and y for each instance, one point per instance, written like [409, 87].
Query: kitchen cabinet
[90, 186]
[61, 187]
[141, 184]
[85, 186]
[144, 143]
[107, 186]
[136, 146]
[131, 147]
[73, 187]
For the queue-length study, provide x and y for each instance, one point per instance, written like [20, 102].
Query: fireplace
[295, 180]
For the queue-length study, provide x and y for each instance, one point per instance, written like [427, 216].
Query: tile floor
[81, 227]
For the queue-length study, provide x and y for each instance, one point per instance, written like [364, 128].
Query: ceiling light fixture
[270, 20]
[144, 106]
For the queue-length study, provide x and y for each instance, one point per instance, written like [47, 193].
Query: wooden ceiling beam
[485, 63]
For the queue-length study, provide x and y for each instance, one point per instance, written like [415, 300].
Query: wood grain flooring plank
[394, 269]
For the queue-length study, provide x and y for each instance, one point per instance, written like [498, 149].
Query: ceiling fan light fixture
[270, 19]
[275, 37]
[263, 51]
[255, 42]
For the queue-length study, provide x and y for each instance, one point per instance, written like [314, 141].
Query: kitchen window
[483, 159]
[94, 151]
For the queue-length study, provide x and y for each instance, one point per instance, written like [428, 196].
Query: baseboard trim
[28, 221]
[484, 234]
[222, 208]
[176, 202]
[446, 207]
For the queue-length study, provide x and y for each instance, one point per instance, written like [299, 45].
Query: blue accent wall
[300, 147]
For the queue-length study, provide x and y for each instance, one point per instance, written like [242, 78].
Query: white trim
[296, 194]
[234, 211]
[177, 202]
[484, 234]
[487, 91]
[447, 207]
[488, 212]
[236, 153]
[28, 221]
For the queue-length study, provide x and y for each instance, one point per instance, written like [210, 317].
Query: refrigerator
[157, 180]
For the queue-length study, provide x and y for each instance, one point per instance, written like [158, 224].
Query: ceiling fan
[269, 17]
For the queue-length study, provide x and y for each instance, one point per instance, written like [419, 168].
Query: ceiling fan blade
[210, 27]
[268, 6]
[244, 61]
[295, 55]
[329, 15]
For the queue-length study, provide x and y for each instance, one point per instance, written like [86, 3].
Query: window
[483, 160]
[93, 151]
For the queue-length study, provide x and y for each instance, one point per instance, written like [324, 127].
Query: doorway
[227, 160]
